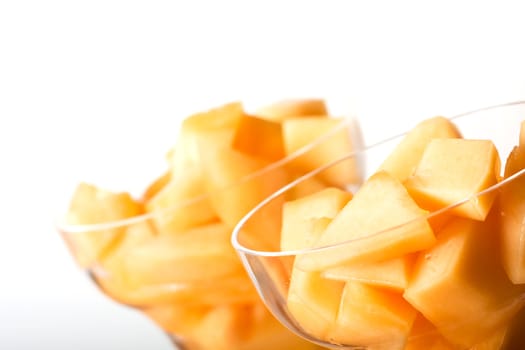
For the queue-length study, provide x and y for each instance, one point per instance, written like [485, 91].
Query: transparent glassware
[194, 286]
[308, 297]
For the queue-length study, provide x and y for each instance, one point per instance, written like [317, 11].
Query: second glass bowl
[381, 266]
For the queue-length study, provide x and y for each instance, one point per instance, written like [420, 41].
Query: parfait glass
[190, 282]
[461, 292]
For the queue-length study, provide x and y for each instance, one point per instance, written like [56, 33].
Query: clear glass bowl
[192, 284]
[343, 295]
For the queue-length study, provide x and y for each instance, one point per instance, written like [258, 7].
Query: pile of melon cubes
[174, 259]
[408, 280]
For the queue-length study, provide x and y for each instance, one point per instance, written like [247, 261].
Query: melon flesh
[393, 273]
[93, 205]
[382, 203]
[512, 203]
[452, 170]
[425, 336]
[372, 317]
[259, 137]
[299, 132]
[404, 158]
[313, 301]
[285, 109]
[305, 219]
[459, 284]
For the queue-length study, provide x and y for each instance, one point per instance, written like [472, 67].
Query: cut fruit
[381, 222]
[452, 170]
[182, 203]
[313, 301]
[371, 317]
[92, 205]
[306, 218]
[300, 132]
[424, 336]
[259, 137]
[183, 258]
[393, 273]
[512, 204]
[156, 186]
[285, 109]
[460, 286]
[402, 162]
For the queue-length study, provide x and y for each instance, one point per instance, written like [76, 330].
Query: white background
[89, 86]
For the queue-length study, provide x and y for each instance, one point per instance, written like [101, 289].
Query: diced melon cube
[459, 284]
[156, 186]
[259, 137]
[299, 132]
[182, 203]
[403, 160]
[393, 273]
[512, 203]
[425, 336]
[284, 109]
[313, 301]
[92, 205]
[305, 219]
[382, 221]
[452, 170]
[372, 317]
[183, 258]
[237, 182]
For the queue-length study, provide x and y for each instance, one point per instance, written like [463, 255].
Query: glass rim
[61, 224]
[282, 253]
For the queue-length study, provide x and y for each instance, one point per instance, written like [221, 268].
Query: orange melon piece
[402, 162]
[393, 273]
[182, 203]
[305, 187]
[299, 132]
[459, 284]
[452, 170]
[183, 259]
[512, 204]
[313, 302]
[212, 128]
[508, 337]
[156, 186]
[237, 182]
[381, 204]
[259, 137]
[372, 317]
[304, 219]
[177, 318]
[425, 336]
[281, 110]
[92, 205]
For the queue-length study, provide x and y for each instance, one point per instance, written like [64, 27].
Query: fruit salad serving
[428, 253]
[167, 252]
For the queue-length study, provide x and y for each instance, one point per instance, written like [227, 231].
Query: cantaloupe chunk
[393, 273]
[237, 182]
[459, 284]
[372, 317]
[183, 258]
[211, 128]
[305, 187]
[156, 186]
[234, 288]
[313, 301]
[92, 205]
[512, 203]
[177, 318]
[299, 132]
[381, 204]
[281, 110]
[425, 336]
[259, 137]
[304, 219]
[508, 337]
[452, 170]
[182, 203]
[403, 160]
